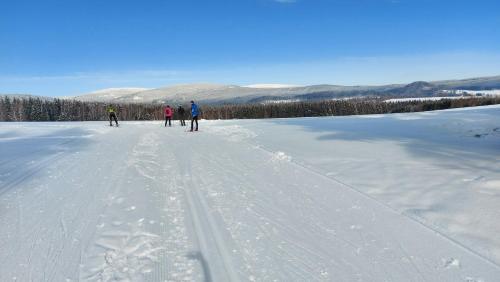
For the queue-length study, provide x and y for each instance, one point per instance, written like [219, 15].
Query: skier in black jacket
[182, 116]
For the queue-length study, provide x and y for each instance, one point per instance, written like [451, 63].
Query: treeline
[344, 107]
[34, 109]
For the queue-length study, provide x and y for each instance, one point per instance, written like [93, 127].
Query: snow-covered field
[403, 197]
[493, 92]
[394, 100]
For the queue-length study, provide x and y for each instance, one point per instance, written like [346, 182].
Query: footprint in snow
[451, 263]
[126, 257]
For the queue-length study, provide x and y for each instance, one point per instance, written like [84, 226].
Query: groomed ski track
[86, 202]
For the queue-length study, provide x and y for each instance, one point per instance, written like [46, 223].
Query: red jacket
[169, 112]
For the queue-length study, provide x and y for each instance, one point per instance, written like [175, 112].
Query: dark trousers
[194, 119]
[111, 117]
[182, 121]
[169, 120]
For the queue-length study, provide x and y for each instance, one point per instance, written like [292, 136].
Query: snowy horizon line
[243, 85]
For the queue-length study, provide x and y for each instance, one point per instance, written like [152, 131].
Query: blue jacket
[194, 110]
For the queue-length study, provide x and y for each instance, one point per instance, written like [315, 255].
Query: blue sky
[68, 47]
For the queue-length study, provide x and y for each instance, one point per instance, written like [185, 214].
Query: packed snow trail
[86, 202]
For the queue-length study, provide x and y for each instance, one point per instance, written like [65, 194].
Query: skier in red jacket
[169, 112]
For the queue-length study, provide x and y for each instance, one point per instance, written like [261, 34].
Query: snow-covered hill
[218, 93]
[110, 94]
[402, 197]
[211, 93]
[257, 93]
[492, 92]
[271, 85]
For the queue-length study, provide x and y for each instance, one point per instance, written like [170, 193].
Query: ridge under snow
[271, 85]
[258, 93]
[109, 94]
[125, 90]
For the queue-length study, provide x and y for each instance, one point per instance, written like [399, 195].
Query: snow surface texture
[404, 197]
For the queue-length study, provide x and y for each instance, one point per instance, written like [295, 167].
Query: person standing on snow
[181, 113]
[112, 115]
[168, 115]
[194, 115]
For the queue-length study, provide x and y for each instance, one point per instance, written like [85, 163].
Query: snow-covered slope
[256, 93]
[492, 92]
[181, 93]
[218, 93]
[110, 94]
[405, 197]
[265, 93]
[271, 85]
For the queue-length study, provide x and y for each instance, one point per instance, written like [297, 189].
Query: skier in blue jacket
[194, 115]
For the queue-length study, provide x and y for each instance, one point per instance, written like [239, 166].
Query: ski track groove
[220, 245]
[200, 212]
[237, 172]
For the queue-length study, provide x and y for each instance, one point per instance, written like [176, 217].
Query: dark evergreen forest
[35, 109]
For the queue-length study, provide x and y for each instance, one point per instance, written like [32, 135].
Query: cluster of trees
[361, 106]
[35, 109]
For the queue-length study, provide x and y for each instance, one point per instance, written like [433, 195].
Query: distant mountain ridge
[109, 94]
[259, 93]
[210, 93]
